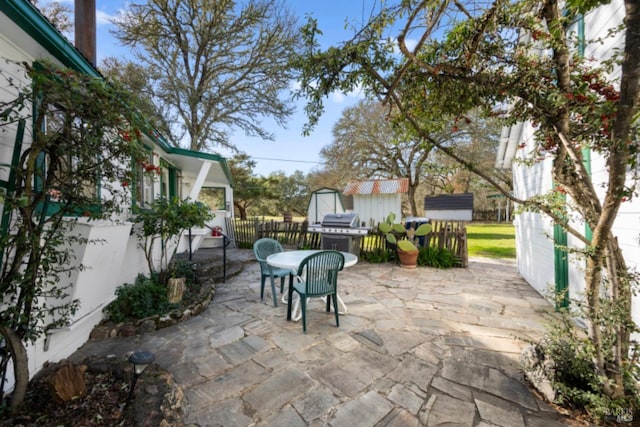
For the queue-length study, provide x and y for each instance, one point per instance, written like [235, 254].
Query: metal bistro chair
[262, 248]
[318, 275]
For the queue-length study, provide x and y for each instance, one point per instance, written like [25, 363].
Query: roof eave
[27, 17]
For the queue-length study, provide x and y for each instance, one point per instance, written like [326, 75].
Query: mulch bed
[156, 399]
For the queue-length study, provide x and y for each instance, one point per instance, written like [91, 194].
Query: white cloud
[103, 18]
[45, 2]
[409, 42]
[340, 98]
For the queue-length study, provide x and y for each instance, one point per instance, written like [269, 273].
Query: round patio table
[292, 259]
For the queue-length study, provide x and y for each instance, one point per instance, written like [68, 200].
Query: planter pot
[408, 259]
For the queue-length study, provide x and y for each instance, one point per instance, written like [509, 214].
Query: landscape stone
[365, 410]
[315, 403]
[499, 416]
[276, 391]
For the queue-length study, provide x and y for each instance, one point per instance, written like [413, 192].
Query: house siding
[534, 234]
[26, 37]
[11, 71]
[374, 208]
[375, 199]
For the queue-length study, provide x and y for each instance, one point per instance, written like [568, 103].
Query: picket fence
[450, 235]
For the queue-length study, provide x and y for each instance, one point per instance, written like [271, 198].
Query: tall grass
[491, 240]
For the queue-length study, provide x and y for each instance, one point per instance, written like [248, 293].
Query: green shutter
[561, 267]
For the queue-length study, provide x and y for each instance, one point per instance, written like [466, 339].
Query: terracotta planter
[408, 259]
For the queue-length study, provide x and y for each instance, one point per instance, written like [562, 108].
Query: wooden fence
[490, 215]
[451, 235]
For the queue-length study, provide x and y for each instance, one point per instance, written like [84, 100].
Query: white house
[538, 260]
[375, 199]
[26, 36]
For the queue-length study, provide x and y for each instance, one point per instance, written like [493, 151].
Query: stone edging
[208, 275]
[108, 329]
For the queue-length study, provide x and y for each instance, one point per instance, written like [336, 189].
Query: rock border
[108, 329]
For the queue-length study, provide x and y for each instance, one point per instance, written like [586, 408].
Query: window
[214, 197]
[147, 174]
[70, 177]
[169, 180]
[156, 179]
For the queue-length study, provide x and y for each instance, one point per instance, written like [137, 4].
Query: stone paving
[418, 347]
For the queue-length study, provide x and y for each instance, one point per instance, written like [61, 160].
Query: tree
[57, 13]
[367, 142]
[249, 189]
[329, 177]
[217, 66]
[84, 137]
[476, 140]
[484, 56]
[293, 192]
[138, 80]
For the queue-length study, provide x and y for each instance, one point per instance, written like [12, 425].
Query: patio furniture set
[311, 274]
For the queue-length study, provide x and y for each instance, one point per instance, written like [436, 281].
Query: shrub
[566, 357]
[376, 256]
[181, 268]
[165, 222]
[438, 258]
[146, 297]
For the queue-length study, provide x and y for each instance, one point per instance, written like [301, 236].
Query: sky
[293, 150]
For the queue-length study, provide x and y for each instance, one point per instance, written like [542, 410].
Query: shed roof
[462, 201]
[377, 186]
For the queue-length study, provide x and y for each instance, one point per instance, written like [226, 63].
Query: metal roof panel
[377, 186]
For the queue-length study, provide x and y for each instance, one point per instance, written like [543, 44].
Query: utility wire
[287, 160]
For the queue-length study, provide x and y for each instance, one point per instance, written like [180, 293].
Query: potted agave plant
[406, 247]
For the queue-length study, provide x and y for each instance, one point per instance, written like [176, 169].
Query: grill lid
[344, 220]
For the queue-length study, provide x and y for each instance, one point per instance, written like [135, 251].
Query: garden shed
[374, 200]
[324, 201]
[451, 207]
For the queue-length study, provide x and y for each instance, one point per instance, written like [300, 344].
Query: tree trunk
[242, 211]
[411, 195]
[20, 366]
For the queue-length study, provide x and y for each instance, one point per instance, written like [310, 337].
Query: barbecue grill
[340, 231]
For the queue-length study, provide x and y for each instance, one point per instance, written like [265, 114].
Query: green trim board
[586, 152]
[561, 259]
[27, 17]
[561, 267]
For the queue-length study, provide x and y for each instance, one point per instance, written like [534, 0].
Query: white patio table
[292, 259]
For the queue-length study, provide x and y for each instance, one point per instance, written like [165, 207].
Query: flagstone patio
[417, 347]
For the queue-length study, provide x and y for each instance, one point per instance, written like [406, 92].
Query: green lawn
[491, 240]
